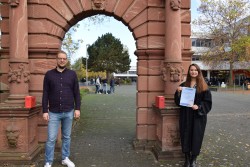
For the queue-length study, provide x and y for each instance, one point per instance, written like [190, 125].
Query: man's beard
[61, 67]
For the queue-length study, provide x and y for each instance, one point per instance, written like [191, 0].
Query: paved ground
[103, 137]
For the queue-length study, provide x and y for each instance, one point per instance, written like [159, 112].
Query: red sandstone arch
[32, 32]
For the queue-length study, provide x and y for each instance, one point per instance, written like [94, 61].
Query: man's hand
[46, 116]
[77, 114]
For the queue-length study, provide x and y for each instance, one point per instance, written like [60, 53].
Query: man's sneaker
[67, 162]
[47, 165]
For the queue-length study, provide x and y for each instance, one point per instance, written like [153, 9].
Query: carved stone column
[19, 125]
[168, 139]
[172, 66]
[19, 74]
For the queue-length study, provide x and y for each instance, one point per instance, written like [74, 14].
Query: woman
[193, 119]
[97, 85]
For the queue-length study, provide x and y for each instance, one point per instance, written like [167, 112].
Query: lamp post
[87, 57]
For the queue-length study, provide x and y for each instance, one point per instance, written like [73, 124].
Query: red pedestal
[160, 101]
[30, 101]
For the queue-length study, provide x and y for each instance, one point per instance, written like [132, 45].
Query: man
[61, 102]
[105, 86]
[112, 85]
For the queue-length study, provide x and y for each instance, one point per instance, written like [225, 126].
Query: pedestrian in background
[193, 119]
[105, 86]
[61, 103]
[97, 85]
[112, 85]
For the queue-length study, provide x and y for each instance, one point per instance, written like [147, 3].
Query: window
[198, 43]
[132, 72]
[195, 57]
[201, 42]
[194, 42]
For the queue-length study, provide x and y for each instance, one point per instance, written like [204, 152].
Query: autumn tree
[70, 45]
[227, 23]
[242, 47]
[108, 54]
[79, 68]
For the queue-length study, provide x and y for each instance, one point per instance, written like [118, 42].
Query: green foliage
[79, 69]
[83, 92]
[125, 81]
[108, 54]
[242, 48]
[227, 24]
[79, 66]
[70, 45]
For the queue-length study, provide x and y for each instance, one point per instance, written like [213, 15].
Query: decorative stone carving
[98, 4]
[175, 4]
[174, 137]
[26, 75]
[16, 75]
[14, 3]
[12, 134]
[173, 72]
[164, 72]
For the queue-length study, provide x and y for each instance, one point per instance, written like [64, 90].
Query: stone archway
[32, 32]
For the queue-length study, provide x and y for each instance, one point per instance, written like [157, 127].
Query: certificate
[187, 96]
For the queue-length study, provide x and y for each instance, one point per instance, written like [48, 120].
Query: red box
[160, 101]
[30, 101]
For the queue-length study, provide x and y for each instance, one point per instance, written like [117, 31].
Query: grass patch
[84, 91]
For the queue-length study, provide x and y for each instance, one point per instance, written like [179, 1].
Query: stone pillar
[19, 73]
[168, 139]
[172, 66]
[18, 125]
[19, 137]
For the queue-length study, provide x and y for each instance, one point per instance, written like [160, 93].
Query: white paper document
[187, 96]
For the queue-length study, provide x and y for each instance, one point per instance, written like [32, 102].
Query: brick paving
[103, 137]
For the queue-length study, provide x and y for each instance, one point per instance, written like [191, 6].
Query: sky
[90, 34]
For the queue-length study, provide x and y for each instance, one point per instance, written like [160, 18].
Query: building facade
[130, 74]
[220, 73]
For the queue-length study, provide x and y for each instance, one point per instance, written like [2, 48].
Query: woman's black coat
[193, 122]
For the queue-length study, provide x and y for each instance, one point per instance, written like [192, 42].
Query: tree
[224, 21]
[242, 47]
[79, 69]
[70, 45]
[108, 54]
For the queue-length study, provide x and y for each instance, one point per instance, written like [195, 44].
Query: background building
[130, 74]
[220, 73]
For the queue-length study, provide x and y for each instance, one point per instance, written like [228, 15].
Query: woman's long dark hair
[201, 84]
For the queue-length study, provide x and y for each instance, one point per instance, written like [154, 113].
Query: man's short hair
[61, 51]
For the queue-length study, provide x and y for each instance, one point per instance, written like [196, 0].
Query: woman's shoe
[187, 160]
[193, 161]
